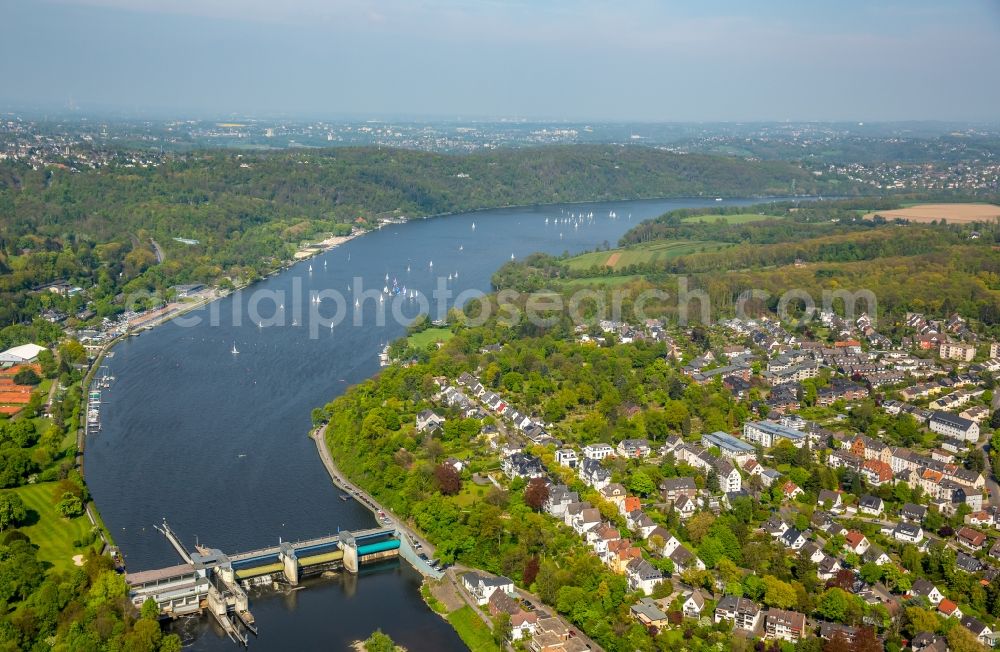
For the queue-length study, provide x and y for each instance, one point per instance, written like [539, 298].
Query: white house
[908, 532]
[952, 425]
[566, 457]
[481, 587]
[598, 451]
[24, 354]
[642, 576]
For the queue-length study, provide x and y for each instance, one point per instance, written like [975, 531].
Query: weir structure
[210, 580]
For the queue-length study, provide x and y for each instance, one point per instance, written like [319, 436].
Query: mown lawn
[646, 253]
[472, 630]
[53, 534]
[427, 337]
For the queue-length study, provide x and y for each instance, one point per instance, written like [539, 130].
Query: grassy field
[651, 252]
[53, 534]
[473, 630]
[424, 338]
[739, 218]
[603, 281]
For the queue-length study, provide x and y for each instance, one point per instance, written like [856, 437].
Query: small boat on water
[512, 256]
[345, 497]
[310, 268]
[235, 351]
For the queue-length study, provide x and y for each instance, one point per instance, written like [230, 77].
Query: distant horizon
[582, 61]
[165, 115]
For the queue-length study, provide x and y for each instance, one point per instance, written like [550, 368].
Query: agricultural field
[953, 213]
[739, 218]
[643, 254]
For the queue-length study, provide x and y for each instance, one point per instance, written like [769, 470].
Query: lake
[216, 442]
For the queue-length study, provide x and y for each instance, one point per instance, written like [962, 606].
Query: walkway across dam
[210, 579]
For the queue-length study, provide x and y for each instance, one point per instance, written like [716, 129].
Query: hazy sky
[555, 59]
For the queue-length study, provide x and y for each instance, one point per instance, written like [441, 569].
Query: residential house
[729, 447]
[791, 490]
[694, 604]
[876, 472]
[685, 507]
[769, 433]
[971, 539]
[875, 555]
[793, 538]
[614, 493]
[566, 457]
[523, 625]
[785, 625]
[957, 351]
[684, 559]
[743, 612]
[856, 542]
[926, 589]
[649, 613]
[949, 609]
[481, 587]
[633, 448]
[642, 576]
[913, 513]
[951, 425]
[592, 473]
[871, 505]
[908, 533]
[967, 563]
[830, 499]
[598, 451]
[428, 421]
[673, 488]
[982, 631]
[523, 465]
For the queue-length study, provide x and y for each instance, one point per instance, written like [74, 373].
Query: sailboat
[324, 264]
[461, 247]
[310, 268]
[407, 269]
[432, 264]
[512, 256]
[331, 325]
[357, 303]
[473, 226]
[235, 351]
[456, 274]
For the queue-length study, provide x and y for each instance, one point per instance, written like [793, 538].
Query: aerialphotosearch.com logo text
[324, 310]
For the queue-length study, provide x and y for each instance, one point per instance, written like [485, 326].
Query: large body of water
[217, 443]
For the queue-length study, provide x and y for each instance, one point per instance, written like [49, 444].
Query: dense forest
[243, 214]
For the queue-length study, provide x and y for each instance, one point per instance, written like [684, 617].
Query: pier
[211, 580]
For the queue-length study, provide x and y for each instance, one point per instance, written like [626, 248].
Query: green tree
[69, 505]
[641, 483]
[150, 609]
[12, 510]
[778, 594]
[833, 605]
[379, 642]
